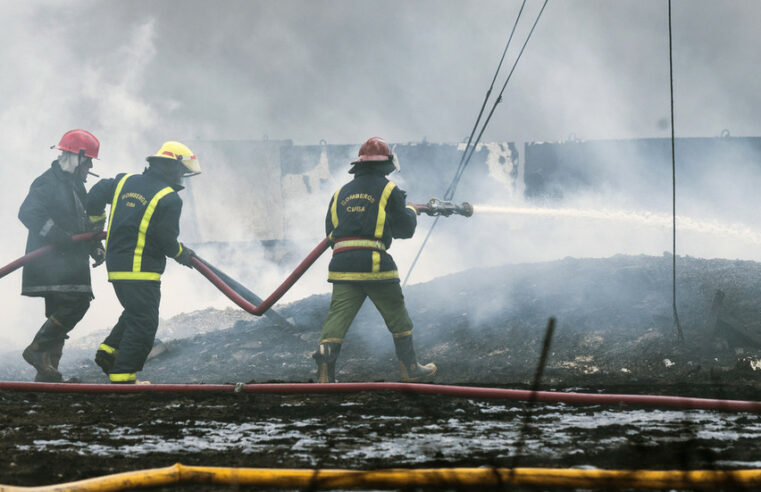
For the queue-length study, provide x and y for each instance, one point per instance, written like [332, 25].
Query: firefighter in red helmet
[363, 217]
[53, 211]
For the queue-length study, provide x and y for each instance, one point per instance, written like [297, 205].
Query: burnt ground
[482, 327]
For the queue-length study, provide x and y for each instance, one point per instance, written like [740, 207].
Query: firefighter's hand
[62, 239]
[413, 207]
[97, 225]
[98, 254]
[185, 257]
[59, 237]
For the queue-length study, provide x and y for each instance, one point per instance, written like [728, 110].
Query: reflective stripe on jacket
[363, 217]
[142, 225]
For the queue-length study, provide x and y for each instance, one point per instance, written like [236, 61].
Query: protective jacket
[53, 211]
[143, 223]
[363, 217]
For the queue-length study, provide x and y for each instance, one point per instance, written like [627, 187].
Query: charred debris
[485, 327]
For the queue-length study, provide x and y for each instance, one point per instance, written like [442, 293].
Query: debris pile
[486, 326]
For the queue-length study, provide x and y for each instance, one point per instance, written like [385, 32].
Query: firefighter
[53, 211]
[363, 217]
[143, 226]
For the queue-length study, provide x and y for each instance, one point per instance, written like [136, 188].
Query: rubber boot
[326, 356]
[39, 353]
[410, 369]
[55, 354]
[105, 358]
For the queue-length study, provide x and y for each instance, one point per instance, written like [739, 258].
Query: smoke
[139, 73]
[65, 88]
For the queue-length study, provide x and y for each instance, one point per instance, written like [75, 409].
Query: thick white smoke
[137, 74]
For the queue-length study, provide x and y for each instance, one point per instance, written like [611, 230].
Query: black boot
[40, 352]
[411, 370]
[55, 354]
[326, 356]
[105, 358]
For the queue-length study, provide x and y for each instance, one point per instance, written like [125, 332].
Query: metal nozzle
[446, 208]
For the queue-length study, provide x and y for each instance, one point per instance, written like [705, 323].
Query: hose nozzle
[436, 207]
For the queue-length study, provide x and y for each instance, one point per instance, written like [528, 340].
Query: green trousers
[348, 298]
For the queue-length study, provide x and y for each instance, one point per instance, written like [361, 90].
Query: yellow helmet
[177, 151]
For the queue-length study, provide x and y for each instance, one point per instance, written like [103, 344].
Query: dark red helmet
[375, 149]
[79, 140]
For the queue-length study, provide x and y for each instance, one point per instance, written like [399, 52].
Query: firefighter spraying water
[363, 218]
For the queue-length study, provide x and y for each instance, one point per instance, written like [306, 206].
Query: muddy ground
[615, 333]
[52, 438]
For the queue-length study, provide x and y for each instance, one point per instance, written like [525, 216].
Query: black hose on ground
[246, 294]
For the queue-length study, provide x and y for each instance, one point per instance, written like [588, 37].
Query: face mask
[68, 161]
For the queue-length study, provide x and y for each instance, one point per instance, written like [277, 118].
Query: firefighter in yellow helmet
[363, 217]
[143, 226]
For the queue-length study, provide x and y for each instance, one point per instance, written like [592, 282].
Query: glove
[98, 254]
[96, 225]
[59, 237]
[185, 256]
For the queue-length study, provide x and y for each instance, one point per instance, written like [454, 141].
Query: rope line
[486, 98]
[533, 395]
[466, 156]
[494, 107]
[677, 325]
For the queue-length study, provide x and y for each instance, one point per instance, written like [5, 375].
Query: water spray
[739, 231]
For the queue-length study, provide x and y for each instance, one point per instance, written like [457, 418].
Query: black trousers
[67, 308]
[135, 331]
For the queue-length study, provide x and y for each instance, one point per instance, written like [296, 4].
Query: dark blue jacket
[363, 217]
[53, 210]
[142, 225]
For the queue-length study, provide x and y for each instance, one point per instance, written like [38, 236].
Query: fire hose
[454, 478]
[46, 250]
[235, 291]
[263, 306]
[663, 401]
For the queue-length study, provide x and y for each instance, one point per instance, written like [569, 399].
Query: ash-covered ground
[614, 334]
[486, 326]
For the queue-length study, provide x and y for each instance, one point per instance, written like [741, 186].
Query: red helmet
[375, 149]
[79, 140]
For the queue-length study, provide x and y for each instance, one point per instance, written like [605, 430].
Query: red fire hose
[433, 207]
[201, 267]
[15, 265]
[276, 295]
[429, 389]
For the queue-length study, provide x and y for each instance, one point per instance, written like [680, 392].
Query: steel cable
[677, 325]
[465, 159]
[486, 99]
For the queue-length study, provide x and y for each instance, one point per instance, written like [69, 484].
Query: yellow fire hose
[407, 478]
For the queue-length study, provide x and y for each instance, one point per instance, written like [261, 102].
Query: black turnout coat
[143, 223]
[363, 217]
[54, 209]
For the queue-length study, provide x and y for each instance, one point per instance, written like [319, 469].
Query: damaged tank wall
[642, 167]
